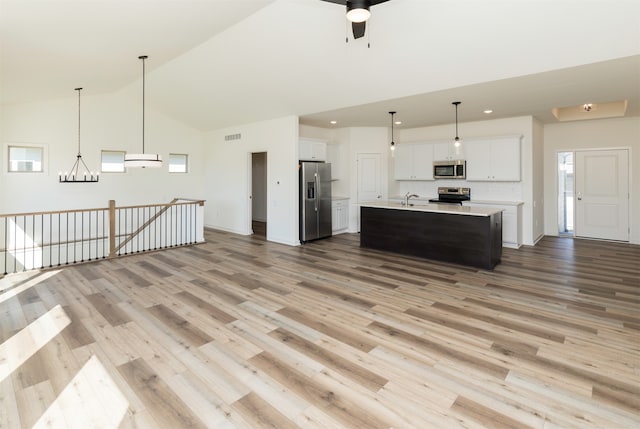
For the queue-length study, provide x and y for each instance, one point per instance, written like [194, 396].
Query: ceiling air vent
[230, 137]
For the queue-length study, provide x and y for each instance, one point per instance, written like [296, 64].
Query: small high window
[112, 161]
[178, 163]
[25, 159]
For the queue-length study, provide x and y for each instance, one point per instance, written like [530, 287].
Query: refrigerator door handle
[317, 179]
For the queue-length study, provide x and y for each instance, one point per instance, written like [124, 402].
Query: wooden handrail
[173, 202]
[188, 201]
[53, 212]
[146, 224]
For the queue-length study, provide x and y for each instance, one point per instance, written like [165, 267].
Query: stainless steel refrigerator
[315, 201]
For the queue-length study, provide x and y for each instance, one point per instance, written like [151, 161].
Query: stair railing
[46, 239]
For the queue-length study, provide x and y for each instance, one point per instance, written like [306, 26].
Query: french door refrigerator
[315, 200]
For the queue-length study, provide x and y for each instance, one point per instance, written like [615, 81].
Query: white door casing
[602, 194]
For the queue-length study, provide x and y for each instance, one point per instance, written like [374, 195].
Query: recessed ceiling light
[488, 111]
[398, 122]
[333, 122]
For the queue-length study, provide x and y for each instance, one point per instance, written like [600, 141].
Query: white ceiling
[219, 63]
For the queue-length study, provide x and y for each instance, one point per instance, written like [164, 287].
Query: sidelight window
[565, 193]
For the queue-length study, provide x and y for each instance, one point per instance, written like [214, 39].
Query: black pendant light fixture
[392, 146]
[457, 140]
[143, 159]
[74, 175]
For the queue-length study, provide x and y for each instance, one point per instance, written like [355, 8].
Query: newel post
[112, 228]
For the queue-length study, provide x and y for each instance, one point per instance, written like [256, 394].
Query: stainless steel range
[452, 195]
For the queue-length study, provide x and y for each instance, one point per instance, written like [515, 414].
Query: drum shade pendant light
[143, 159]
[457, 140]
[392, 146]
[74, 175]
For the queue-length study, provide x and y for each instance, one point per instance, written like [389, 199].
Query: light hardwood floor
[240, 332]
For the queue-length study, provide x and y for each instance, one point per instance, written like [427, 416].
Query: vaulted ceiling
[219, 63]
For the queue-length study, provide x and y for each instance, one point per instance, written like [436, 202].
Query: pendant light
[143, 159]
[392, 146]
[457, 140]
[73, 176]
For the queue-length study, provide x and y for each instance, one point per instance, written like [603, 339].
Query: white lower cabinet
[340, 215]
[511, 221]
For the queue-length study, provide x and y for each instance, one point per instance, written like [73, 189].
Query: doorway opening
[259, 193]
[566, 188]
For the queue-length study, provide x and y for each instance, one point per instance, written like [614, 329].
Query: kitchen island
[451, 233]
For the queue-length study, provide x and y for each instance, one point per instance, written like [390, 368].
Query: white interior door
[602, 194]
[369, 180]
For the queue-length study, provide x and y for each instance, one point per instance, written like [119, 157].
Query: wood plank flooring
[242, 333]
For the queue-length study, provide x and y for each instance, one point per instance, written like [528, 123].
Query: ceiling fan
[358, 13]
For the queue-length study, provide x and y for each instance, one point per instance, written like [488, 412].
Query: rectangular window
[112, 161]
[178, 163]
[25, 159]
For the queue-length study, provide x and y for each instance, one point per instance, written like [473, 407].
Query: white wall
[228, 166]
[107, 122]
[537, 181]
[532, 221]
[603, 133]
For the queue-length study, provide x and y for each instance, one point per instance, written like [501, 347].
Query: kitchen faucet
[408, 196]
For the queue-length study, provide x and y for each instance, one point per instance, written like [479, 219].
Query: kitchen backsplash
[495, 191]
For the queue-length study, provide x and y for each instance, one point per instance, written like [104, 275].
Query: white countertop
[436, 208]
[499, 203]
[338, 198]
[425, 200]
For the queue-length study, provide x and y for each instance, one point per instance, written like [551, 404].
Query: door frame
[629, 179]
[249, 194]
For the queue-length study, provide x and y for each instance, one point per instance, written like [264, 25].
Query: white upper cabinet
[413, 161]
[445, 151]
[333, 158]
[493, 159]
[312, 150]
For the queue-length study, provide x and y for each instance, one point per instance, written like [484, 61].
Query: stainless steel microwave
[455, 169]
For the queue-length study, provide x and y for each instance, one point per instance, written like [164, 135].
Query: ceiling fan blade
[342, 2]
[358, 29]
[375, 2]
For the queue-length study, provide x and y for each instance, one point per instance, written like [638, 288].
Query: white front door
[369, 180]
[602, 194]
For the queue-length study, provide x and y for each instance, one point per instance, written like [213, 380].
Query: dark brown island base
[462, 235]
